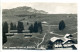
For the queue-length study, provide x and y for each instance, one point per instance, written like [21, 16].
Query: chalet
[60, 42]
[57, 42]
[67, 42]
[44, 22]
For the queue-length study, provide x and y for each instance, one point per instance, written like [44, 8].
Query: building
[44, 22]
[57, 42]
[67, 42]
[61, 42]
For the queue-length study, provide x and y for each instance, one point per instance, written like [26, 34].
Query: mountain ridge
[24, 10]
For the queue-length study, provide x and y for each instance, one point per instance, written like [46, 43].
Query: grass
[52, 19]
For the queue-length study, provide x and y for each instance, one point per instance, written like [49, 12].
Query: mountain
[22, 11]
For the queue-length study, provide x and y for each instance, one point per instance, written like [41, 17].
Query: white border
[57, 1]
[39, 1]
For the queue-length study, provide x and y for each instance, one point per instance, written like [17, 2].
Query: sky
[51, 8]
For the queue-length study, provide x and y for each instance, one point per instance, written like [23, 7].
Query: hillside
[21, 11]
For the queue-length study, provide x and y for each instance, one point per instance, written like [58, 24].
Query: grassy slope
[71, 27]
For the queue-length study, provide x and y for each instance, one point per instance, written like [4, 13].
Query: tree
[5, 27]
[27, 23]
[20, 27]
[36, 27]
[11, 26]
[5, 30]
[14, 27]
[31, 28]
[61, 25]
[40, 27]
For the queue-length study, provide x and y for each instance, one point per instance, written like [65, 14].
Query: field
[51, 19]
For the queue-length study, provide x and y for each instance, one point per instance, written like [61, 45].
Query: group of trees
[37, 27]
[19, 27]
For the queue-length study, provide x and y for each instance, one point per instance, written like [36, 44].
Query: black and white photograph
[39, 26]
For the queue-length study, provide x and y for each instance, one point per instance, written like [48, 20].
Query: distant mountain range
[23, 11]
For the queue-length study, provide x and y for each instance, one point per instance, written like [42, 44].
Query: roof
[67, 35]
[76, 45]
[53, 39]
[66, 39]
[44, 22]
[51, 32]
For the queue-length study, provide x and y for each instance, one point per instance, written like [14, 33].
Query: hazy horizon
[51, 8]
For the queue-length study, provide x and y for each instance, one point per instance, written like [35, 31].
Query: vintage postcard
[39, 26]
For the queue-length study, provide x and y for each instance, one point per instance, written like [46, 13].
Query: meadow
[51, 19]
